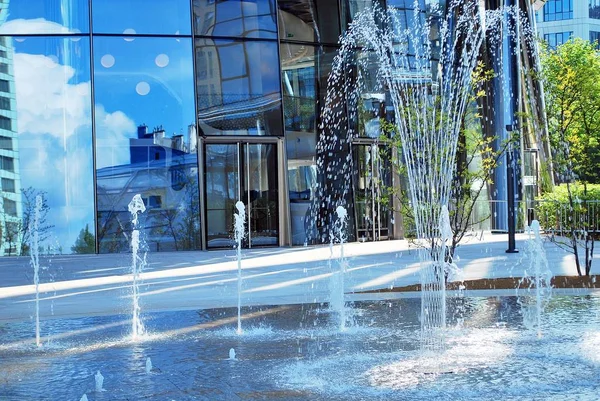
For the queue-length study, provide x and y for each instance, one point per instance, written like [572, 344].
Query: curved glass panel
[235, 18]
[238, 87]
[309, 20]
[132, 17]
[146, 141]
[32, 17]
[46, 144]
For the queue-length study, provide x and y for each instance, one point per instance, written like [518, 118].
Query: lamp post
[510, 194]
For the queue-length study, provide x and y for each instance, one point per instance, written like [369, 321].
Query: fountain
[429, 83]
[35, 262]
[136, 206]
[99, 380]
[536, 280]
[239, 226]
[490, 356]
[337, 293]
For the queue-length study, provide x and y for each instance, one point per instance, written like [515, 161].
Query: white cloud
[113, 131]
[46, 102]
[33, 26]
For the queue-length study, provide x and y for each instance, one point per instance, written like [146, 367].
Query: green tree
[571, 76]
[85, 243]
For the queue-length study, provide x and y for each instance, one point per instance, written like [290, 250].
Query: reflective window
[235, 18]
[5, 142]
[132, 17]
[558, 38]
[51, 140]
[146, 141]
[309, 20]
[8, 185]
[556, 10]
[305, 70]
[595, 38]
[594, 9]
[352, 7]
[24, 17]
[238, 87]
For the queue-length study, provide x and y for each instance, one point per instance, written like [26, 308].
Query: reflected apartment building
[10, 183]
[195, 107]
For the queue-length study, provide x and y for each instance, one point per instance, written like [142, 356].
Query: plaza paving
[83, 285]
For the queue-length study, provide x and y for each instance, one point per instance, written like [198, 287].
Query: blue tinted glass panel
[238, 87]
[557, 10]
[132, 17]
[594, 9]
[235, 18]
[51, 156]
[146, 141]
[44, 16]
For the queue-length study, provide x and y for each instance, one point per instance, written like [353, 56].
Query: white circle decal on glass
[107, 61]
[75, 38]
[142, 88]
[162, 60]
[129, 31]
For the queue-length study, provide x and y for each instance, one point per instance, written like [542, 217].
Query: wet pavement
[297, 352]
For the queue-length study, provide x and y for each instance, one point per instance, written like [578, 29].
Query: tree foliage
[85, 242]
[571, 75]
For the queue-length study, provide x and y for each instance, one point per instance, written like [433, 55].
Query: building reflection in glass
[45, 85]
[238, 87]
[146, 141]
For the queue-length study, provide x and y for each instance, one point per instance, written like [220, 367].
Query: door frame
[283, 220]
[376, 228]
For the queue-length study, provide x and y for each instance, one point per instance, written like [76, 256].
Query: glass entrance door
[244, 172]
[371, 177]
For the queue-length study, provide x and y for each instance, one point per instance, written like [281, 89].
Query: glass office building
[193, 104]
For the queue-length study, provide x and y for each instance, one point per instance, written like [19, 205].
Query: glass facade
[557, 10]
[194, 107]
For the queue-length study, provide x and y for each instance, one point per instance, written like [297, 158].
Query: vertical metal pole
[510, 189]
[248, 208]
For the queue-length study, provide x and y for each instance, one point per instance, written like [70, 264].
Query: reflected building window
[235, 18]
[131, 17]
[309, 20]
[146, 141]
[594, 9]
[238, 87]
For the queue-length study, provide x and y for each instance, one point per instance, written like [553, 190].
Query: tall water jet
[34, 235]
[239, 232]
[136, 206]
[99, 381]
[537, 278]
[337, 303]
